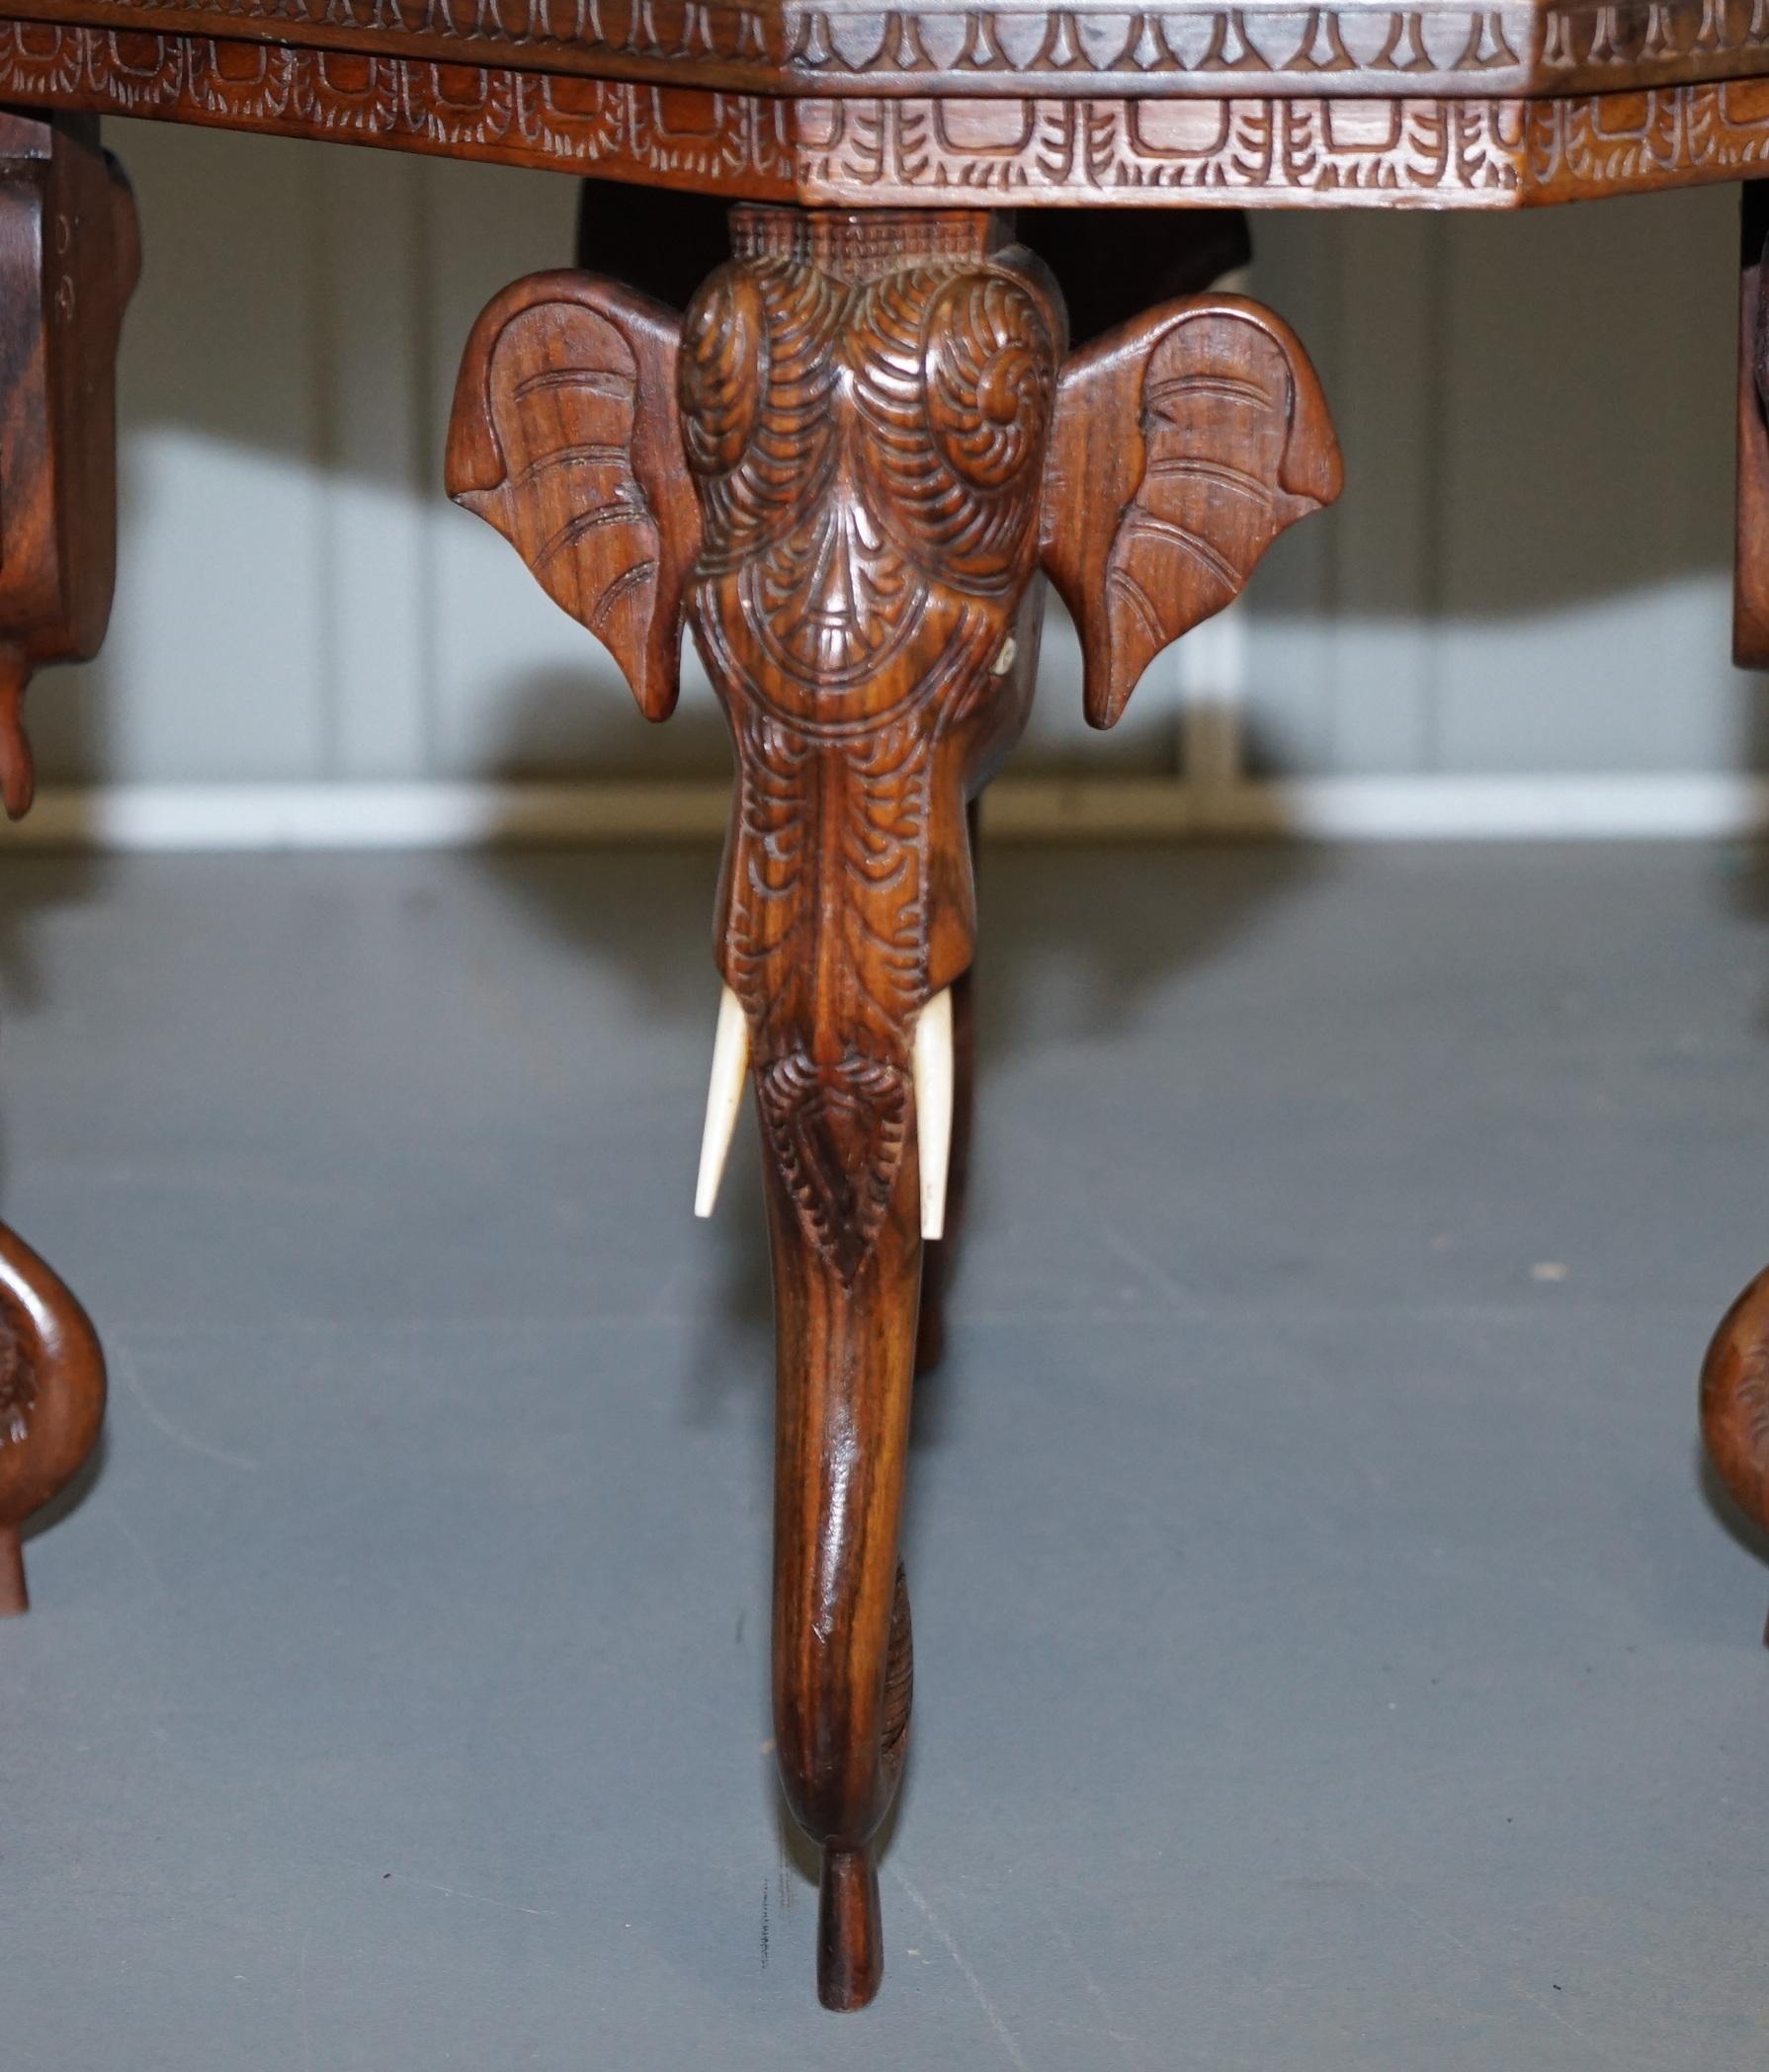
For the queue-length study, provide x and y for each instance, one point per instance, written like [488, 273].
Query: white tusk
[933, 1108]
[724, 1095]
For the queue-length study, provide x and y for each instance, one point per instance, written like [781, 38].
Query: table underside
[1237, 150]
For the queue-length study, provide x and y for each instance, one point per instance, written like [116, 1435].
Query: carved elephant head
[844, 466]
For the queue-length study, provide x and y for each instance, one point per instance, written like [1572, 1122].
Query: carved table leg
[1735, 1372]
[885, 439]
[68, 259]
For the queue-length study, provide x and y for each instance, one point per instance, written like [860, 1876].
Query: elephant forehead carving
[866, 456]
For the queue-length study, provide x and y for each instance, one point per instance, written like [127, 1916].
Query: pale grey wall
[1530, 567]
[1528, 572]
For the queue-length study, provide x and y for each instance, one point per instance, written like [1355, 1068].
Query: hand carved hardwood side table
[845, 458]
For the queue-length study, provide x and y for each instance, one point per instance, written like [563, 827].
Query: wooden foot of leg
[850, 1931]
[844, 465]
[1735, 1400]
[1735, 1403]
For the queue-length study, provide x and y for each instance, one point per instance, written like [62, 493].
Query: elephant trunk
[846, 1330]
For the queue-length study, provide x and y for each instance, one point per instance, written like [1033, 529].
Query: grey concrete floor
[1328, 1653]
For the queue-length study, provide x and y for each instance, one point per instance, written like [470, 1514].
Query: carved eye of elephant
[881, 443]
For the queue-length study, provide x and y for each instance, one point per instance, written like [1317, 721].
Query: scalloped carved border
[1238, 151]
[1436, 153]
[665, 137]
[1189, 47]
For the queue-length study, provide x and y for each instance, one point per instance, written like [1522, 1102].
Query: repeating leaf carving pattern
[668, 136]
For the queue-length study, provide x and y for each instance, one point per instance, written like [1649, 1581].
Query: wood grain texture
[864, 405]
[68, 259]
[1184, 47]
[51, 1398]
[1250, 148]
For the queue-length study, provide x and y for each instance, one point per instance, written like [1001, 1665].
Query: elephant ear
[564, 437]
[1183, 444]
